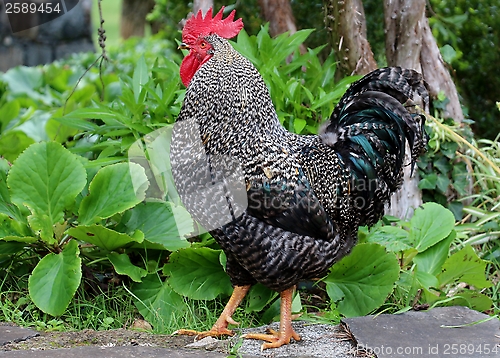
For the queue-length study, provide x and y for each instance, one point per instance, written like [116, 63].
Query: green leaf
[13, 143]
[426, 280]
[25, 239]
[46, 178]
[140, 77]
[393, 238]
[162, 223]
[123, 266]
[246, 46]
[361, 281]
[78, 119]
[273, 312]
[464, 266]
[442, 183]
[6, 206]
[10, 248]
[158, 303]
[259, 297]
[59, 132]
[103, 237]
[461, 179]
[432, 259]
[55, 279]
[299, 124]
[35, 126]
[443, 165]
[197, 274]
[112, 191]
[449, 54]
[9, 111]
[430, 224]
[24, 80]
[428, 182]
[472, 299]
[11, 227]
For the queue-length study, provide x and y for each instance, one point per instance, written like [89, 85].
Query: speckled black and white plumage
[306, 195]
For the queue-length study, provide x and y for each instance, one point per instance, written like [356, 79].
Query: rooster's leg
[286, 332]
[220, 327]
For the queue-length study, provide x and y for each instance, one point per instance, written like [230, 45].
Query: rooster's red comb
[197, 25]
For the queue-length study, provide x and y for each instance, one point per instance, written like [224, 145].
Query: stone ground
[441, 332]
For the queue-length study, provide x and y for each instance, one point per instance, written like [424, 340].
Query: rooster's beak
[183, 46]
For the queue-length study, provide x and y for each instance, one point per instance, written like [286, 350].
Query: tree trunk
[133, 20]
[345, 20]
[279, 15]
[410, 44]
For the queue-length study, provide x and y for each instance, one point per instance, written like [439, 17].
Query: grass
[105, 311]
[108, 310]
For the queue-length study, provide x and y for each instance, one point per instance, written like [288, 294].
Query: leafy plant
[87, 202]
[302, 88]
[429, 274]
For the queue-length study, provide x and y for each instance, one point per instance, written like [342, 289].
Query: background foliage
[79, 243]
[467, 31]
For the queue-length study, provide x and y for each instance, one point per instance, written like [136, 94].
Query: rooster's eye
[203, 44]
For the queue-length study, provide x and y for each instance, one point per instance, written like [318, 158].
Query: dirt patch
[317, 341]
[110, 338]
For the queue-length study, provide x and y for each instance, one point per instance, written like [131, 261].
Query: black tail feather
[369, 129]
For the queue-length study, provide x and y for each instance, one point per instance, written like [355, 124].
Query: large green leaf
[162, 223]
[112, 191]
[361, 281]
[46, 178]
[197, 274]
[123, 266]
[464, 266]
[103, 237]
[432, 259]
[430, 224]
[158, 303]
[55, 279]
[393, 238]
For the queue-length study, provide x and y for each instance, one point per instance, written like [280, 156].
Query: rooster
[304, 197]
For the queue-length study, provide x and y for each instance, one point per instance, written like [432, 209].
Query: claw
[220, 327]
[214, 332]
[277, 339]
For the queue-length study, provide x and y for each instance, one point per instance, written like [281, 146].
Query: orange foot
[220, 327]
[286, 332]
[275, 339]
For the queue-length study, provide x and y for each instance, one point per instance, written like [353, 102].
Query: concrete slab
[428, 334]
[10, 334]
[112, 352]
